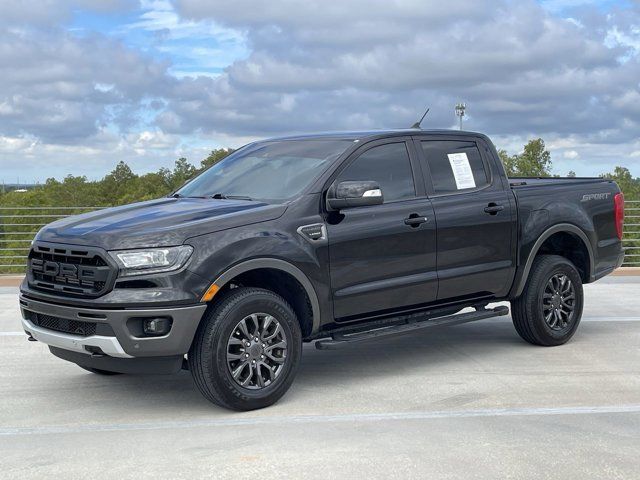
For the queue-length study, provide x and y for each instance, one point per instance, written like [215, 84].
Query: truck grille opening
[64, 325]
[71, 271]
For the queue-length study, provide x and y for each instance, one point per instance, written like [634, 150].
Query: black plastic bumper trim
[141, 365]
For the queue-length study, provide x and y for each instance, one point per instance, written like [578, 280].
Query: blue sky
[191, 48]
[90, 83]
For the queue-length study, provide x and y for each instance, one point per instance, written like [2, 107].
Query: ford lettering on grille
[71, 271]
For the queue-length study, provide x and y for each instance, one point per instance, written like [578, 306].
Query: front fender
[222, 256]
[275, 264]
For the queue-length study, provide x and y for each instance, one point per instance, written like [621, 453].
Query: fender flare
[283, 266]
[560, 227]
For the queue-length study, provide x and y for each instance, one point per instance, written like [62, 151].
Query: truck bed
[516, 182]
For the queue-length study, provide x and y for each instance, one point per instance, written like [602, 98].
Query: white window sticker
[461, 170]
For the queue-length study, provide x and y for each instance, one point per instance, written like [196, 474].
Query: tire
[211, 357]
[97, 371]
[533, 311]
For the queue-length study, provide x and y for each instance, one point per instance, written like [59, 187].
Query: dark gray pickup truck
[339, 238]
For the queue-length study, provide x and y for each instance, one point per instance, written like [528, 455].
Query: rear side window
[389, 165]
[454, 166]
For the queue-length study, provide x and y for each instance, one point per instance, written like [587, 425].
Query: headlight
[151, 260]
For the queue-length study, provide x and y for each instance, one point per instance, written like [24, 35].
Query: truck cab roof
[374, 134]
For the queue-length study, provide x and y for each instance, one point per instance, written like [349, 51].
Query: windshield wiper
[222, 196]
[179, 195]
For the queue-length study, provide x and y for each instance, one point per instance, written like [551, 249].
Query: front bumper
[122, 339]
[108, 345]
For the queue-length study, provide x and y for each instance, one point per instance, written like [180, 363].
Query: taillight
[619, 213]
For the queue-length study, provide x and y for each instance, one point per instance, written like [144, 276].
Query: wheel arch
[556, 231]
[274, 264]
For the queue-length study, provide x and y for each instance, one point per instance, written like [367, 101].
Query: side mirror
[354, 194]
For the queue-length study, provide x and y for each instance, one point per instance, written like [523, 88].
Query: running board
[340, 340]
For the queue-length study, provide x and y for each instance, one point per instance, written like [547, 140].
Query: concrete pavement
[471, 401]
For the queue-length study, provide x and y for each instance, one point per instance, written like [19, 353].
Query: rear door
[474, 216]
[381, 258]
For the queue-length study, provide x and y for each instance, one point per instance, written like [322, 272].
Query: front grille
[75, 327]
[69, 270]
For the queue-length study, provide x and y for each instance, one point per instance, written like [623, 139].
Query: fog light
[156, 327]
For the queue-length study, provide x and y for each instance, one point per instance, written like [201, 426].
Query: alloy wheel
[558, 302]
[256, 351]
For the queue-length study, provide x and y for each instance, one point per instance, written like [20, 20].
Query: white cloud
[147, 151]
[523, 72]
[630, 38]
[197, 48]
[160, 16]
[218, 73]
[13, 145]
[62, 89]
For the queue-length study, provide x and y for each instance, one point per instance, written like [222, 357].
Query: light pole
[460, 109]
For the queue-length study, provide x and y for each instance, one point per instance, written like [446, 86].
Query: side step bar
[340, 340]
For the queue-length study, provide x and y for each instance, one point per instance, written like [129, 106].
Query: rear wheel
[247, 350]
[550, 308]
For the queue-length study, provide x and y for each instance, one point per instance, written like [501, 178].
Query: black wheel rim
[256, 351]
[558, 302]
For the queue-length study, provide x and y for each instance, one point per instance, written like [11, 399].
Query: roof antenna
[417, 124]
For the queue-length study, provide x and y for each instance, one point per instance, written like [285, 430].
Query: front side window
[270, 171]
[455, 166]
[389, 165]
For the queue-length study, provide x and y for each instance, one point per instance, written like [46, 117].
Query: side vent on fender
[315, 233]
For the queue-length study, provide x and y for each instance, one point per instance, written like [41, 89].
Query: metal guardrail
[18, 226]
[631, 237]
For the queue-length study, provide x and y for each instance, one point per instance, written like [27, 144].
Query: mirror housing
[354, 194]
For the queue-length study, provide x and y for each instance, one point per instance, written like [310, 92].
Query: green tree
[534, 161]
[147, 187]
[509, 162]
[214, 157]
[630, 186]
[117, 184]
[182, 172]
[123, 186]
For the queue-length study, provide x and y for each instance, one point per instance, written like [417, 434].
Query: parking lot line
[311, 419]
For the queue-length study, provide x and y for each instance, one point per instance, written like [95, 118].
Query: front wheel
[247, 350]
[550, 308]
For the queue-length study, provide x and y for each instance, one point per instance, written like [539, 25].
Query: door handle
[493, 208]
[415, 220]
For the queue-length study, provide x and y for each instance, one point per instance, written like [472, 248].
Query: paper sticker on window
[461, 170]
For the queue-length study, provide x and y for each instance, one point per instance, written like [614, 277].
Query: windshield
[267, 171]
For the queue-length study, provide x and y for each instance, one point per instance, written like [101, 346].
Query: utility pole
[460, 109]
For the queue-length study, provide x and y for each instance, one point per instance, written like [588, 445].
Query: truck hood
[157, 223]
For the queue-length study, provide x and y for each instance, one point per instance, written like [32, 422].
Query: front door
[383, 257]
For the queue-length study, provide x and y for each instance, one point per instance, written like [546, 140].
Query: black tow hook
[31, 339]
[96, 352]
